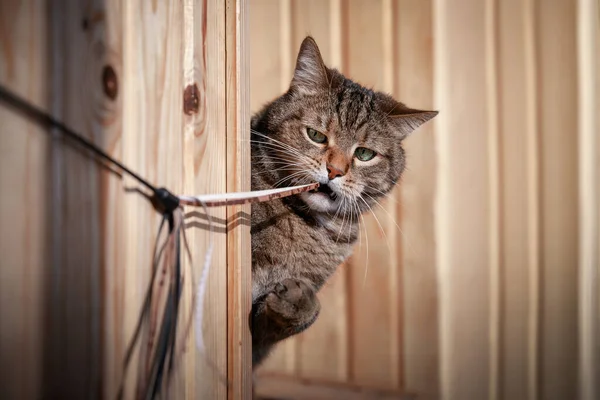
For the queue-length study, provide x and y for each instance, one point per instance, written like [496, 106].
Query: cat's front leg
[290, 308]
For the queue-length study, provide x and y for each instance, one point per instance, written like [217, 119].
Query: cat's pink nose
[333, 172]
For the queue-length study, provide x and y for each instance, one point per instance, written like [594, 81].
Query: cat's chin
[319, 202]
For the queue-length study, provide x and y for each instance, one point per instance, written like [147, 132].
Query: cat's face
[333, 131]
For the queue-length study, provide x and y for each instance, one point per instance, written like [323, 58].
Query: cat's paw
[293, 304]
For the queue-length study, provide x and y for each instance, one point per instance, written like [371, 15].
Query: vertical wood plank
[588, 32]
[533, 199]
[463, 198]
[265, 57]
[239, 257]
[25, 175]
[518, 155]
[153, 140]
[414, 68]
[112, 230]
[374, 267]
[558, 116]
[194, 85]
[87, 38]
[495, 192]
[210, 176]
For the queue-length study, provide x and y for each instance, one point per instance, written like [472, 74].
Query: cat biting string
[160, 358]
[323, 153]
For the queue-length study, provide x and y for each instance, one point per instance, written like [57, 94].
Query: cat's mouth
[325, 190]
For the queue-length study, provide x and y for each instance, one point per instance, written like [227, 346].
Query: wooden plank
[26, 176]
[558, 118]
[374, 277]
[414, 85]
[209, 171]
[239, 256]
[322, 349]
[533, 200]
[284, 387]
[515, 113]
[588, 40]
[462, 225]
[265, 52]
[87, 234]
[109, 116]
[153, 140]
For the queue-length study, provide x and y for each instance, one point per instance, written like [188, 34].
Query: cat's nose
[333, 172]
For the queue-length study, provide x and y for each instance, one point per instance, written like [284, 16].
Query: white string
[232, 197]
[201, 289]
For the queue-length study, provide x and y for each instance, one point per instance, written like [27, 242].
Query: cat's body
[331, 130]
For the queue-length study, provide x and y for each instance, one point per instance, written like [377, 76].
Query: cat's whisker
[383, 194]
[283, 154]
[267, 159]
[380, 226]
[343, 220]
[277, 169]
[337, 211]
[404, 236]
[287, 150]
[383, 208]
[367, 252]
[355, 204]
[284, 165]
[277, 142]
[291, 176]
[267, 162]
[281, 147]
[293, 157]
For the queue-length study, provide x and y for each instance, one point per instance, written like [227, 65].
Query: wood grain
[463, 199]
[118, 73]
[517, 228]
[283, 387]
[210, 176]
[588, 40]
[414, 85]
[25, 175]
[559, 187]
[153, 141]
[239, 257]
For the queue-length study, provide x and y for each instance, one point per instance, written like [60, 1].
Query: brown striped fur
[297, 242]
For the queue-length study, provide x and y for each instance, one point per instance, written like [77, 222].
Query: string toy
[157, 360]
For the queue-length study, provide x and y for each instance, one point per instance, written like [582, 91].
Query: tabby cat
[327, 129]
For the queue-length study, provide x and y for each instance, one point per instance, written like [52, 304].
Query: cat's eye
[316, 136]
[364, 154]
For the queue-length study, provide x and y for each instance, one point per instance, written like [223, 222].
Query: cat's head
[329, 129]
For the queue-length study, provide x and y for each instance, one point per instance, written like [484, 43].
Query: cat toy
[160, 356]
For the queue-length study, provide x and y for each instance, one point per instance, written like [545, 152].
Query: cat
[327, 129]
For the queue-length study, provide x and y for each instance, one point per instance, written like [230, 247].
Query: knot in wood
[110, 82]
[191, 99]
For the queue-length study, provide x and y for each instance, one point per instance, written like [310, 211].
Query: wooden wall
[76, 248]
[480, 278]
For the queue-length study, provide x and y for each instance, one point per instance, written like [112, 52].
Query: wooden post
[239, 257]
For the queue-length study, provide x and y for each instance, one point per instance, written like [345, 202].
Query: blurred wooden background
[483, 266]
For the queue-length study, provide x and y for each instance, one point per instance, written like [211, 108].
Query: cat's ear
[407, 119]
[310, 75]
